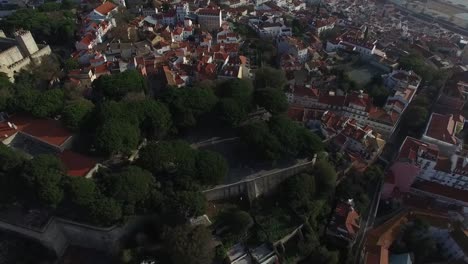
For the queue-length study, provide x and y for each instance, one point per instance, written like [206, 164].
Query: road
[366, 225]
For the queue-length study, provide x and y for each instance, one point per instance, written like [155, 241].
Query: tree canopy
[279, 138]
[82, 192]
[267, 77]
[117, 136]
[273, 100]
[130, 187]
[76, 112]
[175, 157]
[154, 117]
[212, 167]
[326, 176]
[117, 86]
[187, 105]
[57, 27]
[187, 244]
[44, 176]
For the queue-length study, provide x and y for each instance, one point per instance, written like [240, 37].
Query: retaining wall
[59, 233]
[252, 188]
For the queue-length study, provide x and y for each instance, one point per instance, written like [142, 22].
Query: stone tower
[26, 42]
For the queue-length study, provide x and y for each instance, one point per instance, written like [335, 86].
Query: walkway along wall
[59, 233]
[252, 188]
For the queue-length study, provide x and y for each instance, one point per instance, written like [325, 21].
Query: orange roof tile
[105, 8]
[76, 164]
[50, 131]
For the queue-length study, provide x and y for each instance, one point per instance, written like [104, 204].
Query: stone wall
[252, 188]
[59, 233]
[11, 56]
[42, 52]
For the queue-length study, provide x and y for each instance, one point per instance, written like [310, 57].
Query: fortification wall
[252, 188]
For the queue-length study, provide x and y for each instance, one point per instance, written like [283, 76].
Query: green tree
[105, 211]
[261, 141]
[117, 136]
[117, 86]
[238, 221]
[325, 256]
[187, 105]
[71, 64]
[230, 112]
[273, 100]
[238, 89]
[76, 112]
[24, 99]
[82, 192]
[284, 130]
[379, 95]
[154, 117]
[187, 244]
[54, 27]
[309, 143]
[212, 167]
[49, 103]
[325, 177]
[299, 191]
[11, 166]
[330, 34]
[130, 187]
[44, 176]
[414, 118]
[185, 204]
[267, 77]
[175, 157]
[6, 91]
[119, 111]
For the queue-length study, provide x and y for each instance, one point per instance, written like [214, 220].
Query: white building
[271, 28]
[444, 178]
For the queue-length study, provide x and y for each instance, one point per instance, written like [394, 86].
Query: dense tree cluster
[188, 105]
[51, 23]
[279, 138]
[113, 194]
[119, 125]
[178, 161]
[119, 85]
[187, 244]
[416, 238]
[414, 118]
[358, 186]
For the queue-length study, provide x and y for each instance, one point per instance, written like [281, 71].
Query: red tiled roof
[87, 39]
[105, 8]
[442, 190]
[442, 127]
[304, 91]
[335, 100]
[208, 12]
[296, 113]
[50, 131]
[412, 146]
[76, 164]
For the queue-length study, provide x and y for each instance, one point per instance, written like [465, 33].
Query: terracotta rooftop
[50, 131]
[442, 190]
[76, 164]
[411, 148]
[442, 127]
[105, 8]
